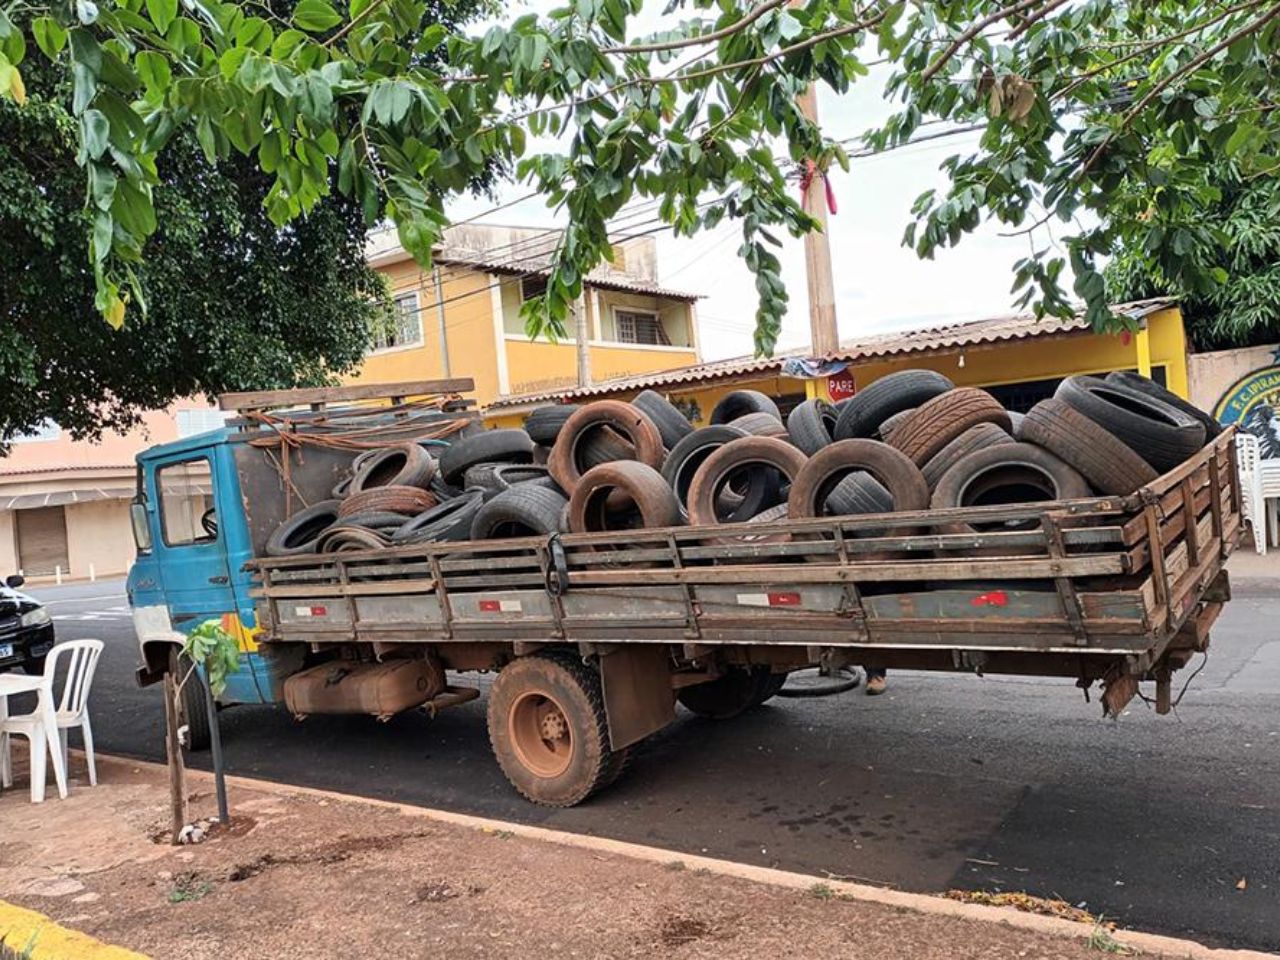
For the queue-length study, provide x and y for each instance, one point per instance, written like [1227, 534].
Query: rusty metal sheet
[638, 698]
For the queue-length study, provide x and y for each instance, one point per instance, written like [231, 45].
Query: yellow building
[1019, 359]
[462, 319]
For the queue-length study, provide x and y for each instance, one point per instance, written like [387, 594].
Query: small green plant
[212, 646]
[1100, 939]
[675, 865]
[188, 887]
[821, 891]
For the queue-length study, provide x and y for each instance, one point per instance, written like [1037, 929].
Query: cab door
[189, 553]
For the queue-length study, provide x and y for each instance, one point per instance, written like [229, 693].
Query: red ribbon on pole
[806, 181]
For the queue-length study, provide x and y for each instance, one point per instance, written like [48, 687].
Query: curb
[48, 940]
[1146, 943]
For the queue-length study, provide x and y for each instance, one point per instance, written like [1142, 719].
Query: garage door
[42, 540]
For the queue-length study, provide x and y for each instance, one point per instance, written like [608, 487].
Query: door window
[186, 502]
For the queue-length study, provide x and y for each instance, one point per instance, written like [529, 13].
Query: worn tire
[739, 403]
[746, 451]
[688, 455]
[862, 414]
[543, 424]
[401, 465]
[1016, 420]
[539, 775]
[891, 423]
[1136, 381]
[978, 437]
[405, 500]
[937, 422]
[733, 692]
[672, 425]
[300, 533]
[1161, 434]
[522, 511]
[602, 418]
[1104, 460]
[380, 520]
[650, 501]
[491, 446]
[894, 471]
[858, 493]
[495, 477]
[448, 522]
[811, 425]
[192, 709]
[344, 537]
[760, 425]
[1010, 467]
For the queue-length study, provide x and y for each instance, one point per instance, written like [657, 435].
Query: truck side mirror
[14, 581]
[141, 528]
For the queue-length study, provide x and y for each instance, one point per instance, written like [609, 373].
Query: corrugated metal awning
[61, 498]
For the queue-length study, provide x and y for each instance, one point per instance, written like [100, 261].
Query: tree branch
[969, 34]
[715, 35]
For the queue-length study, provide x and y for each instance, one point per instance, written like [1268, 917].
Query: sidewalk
[300, 874]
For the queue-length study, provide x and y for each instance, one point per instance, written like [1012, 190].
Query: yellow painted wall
[538, 366]
[468, 328]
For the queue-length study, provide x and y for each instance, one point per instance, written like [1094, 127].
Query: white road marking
[110, 613]
[105, 596]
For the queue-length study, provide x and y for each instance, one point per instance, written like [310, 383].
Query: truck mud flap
[638, 698]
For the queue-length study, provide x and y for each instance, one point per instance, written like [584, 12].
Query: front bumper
[29, 643]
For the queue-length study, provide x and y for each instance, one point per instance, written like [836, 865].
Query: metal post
[215, 741]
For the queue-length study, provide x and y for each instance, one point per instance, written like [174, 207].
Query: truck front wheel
[191, 706]
[548, 729]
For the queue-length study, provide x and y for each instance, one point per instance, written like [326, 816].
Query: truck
[593, 638]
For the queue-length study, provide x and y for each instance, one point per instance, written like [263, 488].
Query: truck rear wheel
[548, 729]
[731, 693]
[191, 705]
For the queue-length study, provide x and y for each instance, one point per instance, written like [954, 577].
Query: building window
[531, 287]
[191, 422]
[404, 329]
[46, 430]
[635, 327]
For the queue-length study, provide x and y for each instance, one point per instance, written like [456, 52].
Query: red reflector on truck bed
[499, 606]
[772, 599]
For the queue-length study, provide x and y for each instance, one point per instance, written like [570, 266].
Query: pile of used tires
[909, 441]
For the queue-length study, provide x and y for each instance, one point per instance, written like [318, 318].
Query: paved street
[947, 781]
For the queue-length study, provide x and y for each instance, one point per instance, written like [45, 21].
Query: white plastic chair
[48, 726]
[1254, 504]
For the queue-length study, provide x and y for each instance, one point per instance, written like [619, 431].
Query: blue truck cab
[192, 534]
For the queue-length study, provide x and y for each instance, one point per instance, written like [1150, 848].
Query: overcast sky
[880, 285]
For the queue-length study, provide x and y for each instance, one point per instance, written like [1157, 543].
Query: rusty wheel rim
[540, 735]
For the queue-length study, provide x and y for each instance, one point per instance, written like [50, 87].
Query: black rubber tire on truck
[549, 731]
[1136, 381]
[492, 446]
[671, 423]
[523, 511]
[862, 414]
[1161, 434]
[447, 522]
[741, 402]
[400, 465]
[937, 422]
[1105, 460]
[811, 425]
[543, 424]
[761, 425]
[192, 709]
[978, 437]
[301, 532]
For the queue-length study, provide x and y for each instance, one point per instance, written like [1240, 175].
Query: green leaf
[103, 227]
[208, 142]
[84, 87]
[315, 16]
[153, 69]
[162, 13]
[95, 130]
[50, 37]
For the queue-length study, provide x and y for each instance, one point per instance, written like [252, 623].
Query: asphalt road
[947, 781]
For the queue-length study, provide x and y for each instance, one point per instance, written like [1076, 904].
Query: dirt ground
[297, 876]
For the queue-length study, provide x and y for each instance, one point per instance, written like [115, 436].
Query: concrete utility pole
[580, 332]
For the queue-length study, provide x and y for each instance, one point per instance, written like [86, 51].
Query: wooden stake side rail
[1107, 576]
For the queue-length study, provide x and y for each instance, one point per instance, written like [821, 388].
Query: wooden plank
[262, 399]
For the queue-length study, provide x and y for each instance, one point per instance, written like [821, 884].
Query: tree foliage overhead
[1241, 245]
[1081, 102]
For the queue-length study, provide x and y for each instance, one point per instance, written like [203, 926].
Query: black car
[26, 629]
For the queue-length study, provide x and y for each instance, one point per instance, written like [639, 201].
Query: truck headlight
[36, 617]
